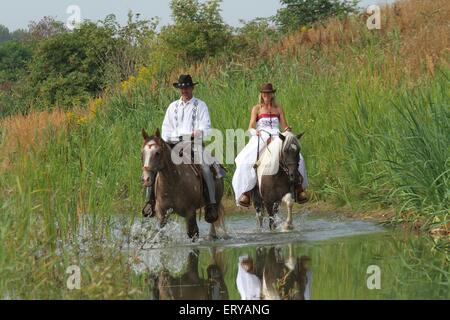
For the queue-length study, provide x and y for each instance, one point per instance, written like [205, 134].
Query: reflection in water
[249, 285]
[190, 285]
[268, 276]
[263, 265]
[273, 277]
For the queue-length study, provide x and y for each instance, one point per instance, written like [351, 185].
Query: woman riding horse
[267, 119]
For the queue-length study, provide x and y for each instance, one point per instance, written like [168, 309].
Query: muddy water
[323, 258]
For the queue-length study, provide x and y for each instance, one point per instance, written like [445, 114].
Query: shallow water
[323, 258]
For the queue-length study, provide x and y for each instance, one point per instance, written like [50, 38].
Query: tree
[45, 28]
[68, 67]
[253, 34]
[4, 33]
[198, 31]
[14, 57]
[298, 13]
[132, 48]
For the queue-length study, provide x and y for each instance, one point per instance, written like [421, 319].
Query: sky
[16, 14]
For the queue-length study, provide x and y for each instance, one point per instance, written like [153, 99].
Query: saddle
[218, 170]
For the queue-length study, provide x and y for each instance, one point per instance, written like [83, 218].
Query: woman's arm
[254, 116]
[253, 119]
[283, 121]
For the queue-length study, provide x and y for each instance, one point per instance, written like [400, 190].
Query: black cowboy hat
[267, 88]
[184, 81]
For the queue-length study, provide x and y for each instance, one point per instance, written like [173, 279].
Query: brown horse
[178, 187]
[190, 285]
[272, 190]
[283, 279]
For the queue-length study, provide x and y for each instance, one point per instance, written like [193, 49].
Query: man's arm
[204, 120]
[167, 126]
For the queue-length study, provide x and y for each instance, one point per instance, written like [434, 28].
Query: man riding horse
[187, 119]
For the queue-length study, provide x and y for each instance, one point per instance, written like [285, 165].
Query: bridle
[284, 165]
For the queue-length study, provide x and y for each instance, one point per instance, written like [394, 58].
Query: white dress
[245, 177]
[248, 284]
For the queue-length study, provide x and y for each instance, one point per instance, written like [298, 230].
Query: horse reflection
[274, 278]
[190, 285]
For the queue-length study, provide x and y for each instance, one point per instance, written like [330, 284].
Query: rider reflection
[273, 277]
[248, 283]
[190, 285]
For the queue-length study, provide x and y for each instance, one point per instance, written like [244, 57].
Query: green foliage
[51, 66]
[198, 32]
[132, 48]
[298, 13]
[4, 33]
[68, 68]
[45, 28]
[253, 34]
[14, 56]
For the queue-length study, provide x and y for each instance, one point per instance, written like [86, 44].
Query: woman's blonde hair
[273, 102]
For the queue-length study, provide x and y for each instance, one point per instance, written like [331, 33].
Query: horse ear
[283, 138]
[158, 133]
[300, 136]
[145, 135]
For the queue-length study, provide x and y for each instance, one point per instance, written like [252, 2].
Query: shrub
[298, 13]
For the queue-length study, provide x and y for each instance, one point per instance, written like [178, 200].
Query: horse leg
[192, 227]
[212, 233]
[259, 218]
[271, 209]
[288, 225]
[163, 215]
[220, 224]
[259, 207]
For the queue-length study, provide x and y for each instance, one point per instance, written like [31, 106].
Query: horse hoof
[288, 227]
[213, 238]
[226, 237]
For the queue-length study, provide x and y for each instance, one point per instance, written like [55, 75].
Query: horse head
[152, 153]
[290, 154]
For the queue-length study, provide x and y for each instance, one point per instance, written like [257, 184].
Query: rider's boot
[245, 200]
[301, 195]
[211, 209]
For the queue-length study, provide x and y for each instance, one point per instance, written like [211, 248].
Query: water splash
[146, 234]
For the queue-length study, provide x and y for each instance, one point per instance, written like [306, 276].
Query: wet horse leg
[192, 227]
[289, 200]
[272, 210]
[219, 225]
[259, 207]
[212, 233]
